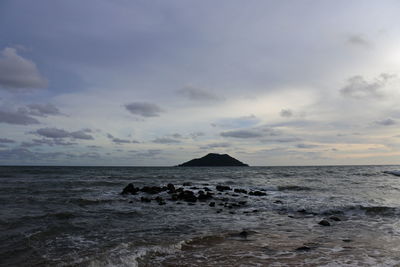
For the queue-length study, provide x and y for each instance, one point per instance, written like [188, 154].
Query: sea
[77, 216]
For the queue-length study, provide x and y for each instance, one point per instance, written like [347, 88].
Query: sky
[157, 83]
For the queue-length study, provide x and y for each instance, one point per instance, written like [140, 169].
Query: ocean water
[76, 216]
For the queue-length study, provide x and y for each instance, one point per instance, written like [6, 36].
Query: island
[214, 160]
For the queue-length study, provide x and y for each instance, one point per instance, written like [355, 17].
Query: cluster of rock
[191, 194]
[225, 195]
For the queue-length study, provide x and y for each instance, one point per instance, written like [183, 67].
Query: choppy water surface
[75, 216]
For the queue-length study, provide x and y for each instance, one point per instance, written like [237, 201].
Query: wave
[396, 173]
[367, 210]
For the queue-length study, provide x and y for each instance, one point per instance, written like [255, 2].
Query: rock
[303, 248]
[324, 223]
[145, 199]
[187, 196]
[151, 189]
[335, 218]
[187, 184]
[239, 190]
[207, 189]
[257, 193]
[278, 201]
[302, 211]
[171, 188]
[203, 197]
[347, 240]
[130, 189]
[212, 204]
[222, 188]
[243, 234]
[242, 202]
[213, 160]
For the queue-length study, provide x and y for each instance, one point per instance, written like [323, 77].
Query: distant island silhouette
[214, 160]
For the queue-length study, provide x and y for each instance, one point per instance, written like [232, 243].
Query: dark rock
[203, 197]
[212, 204]
[347, 240]
[235, 195]
[171, 188]
[242, 202]
[232, 212]
[255, 211]
[151, 189]
[324, 223]
[257, 193]
[335, 218]
[187, 196]
[222, 188]
[194, 188]
[303, 248]
[207, 189]
[239, 190]
[187, 184]
[131, 201]
[130, 189]
[145, 199]
[243, 234]
[278, 201]
[213, 160]
[302, 211]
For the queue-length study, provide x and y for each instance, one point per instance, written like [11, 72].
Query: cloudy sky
[121, 82]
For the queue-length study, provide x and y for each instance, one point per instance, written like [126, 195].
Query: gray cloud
[306, 146]
[166, 140]
[358, 40]
[60, 133]
[53, 133]
[17, 72]
[49, 142]
[119, 140]
[6, 141]
[198, 94]
[386, 122]
[251, 133]
[144, 109]
[150, 153]
[18, 118]
[197, 134]
[216, 145]
[26, 154]
[358, 87]
[43, 110]
[286, 113]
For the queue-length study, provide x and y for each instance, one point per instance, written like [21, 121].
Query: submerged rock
[303, 248]
[324, 223]
[335, 218]
[130, 189]
[257, 193]
[239, 190]
[222, 188]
